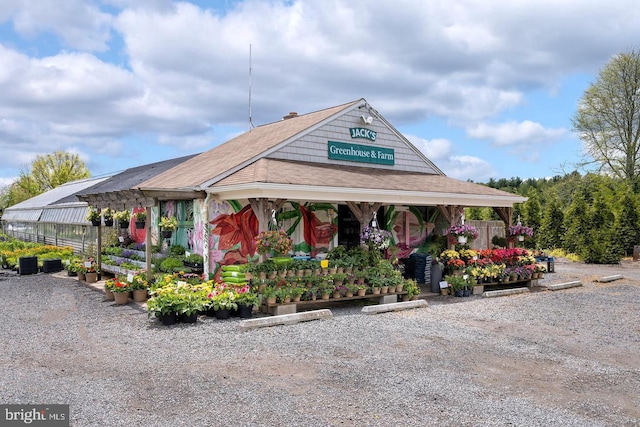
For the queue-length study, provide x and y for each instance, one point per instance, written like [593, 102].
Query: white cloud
[435, 149]
[468, 167]
[78, 24]
[440, 151]
[514, 133]
[183, 69]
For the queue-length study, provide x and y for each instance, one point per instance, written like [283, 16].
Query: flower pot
[399, 288]
[296, 299]
[121, 297]
[110, 296]
[336, 295]
[392, 289]
[458, 293]
[81, 276]
[325, 296]
[124, 224]
[108, 222]
[286, 300]
[462, 239]
[166, 234]
[245, 311]
[361, 292]
[348, 294]
[91, 277]
[140, 225]
[72, 273]
[466, 292]
[140, 295]
[262, 275]
[189, 318]
[444, 291]
[384, 290]
[271, 300]
[223, 313]
[168, 318]
[376, 291]
[95, 222]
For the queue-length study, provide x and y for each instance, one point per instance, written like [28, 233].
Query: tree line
[594, 216]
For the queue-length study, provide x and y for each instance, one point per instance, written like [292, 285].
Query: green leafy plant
[93, 214]
[168, 223]
[122, 216]
[171, 265]
[107, 214]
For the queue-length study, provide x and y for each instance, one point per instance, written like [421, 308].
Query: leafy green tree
[552, 224]
[47, 172]
[626, 228]
[52, 170]
[575, 224]
[599, 245]
[532, 216]
[608, 118]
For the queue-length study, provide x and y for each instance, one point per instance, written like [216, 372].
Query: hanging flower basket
[520, 232]
[276, 242]
[462, 233]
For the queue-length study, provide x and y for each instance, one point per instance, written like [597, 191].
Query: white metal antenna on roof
[250, 121]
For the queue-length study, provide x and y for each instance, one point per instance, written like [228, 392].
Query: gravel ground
[563, 358]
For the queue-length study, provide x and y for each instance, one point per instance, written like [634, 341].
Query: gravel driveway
[563, 358]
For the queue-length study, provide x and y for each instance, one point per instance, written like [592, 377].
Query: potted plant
[120, 291]
[411, 288]
[167, 225]
[339, 278]
[520, 232]
[462, 233]
[325, 286]
[123, 218]
[223, 300]
[107, 214]
[140, 219]
[93, 215]
[276, 242]
[138, 284]
[194, 262]
[246, 299]
[459, 284]
[269, 293]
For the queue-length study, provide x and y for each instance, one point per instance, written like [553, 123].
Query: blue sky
[485, 89]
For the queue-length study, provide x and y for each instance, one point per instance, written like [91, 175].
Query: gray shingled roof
[132, 177]
[198, 171]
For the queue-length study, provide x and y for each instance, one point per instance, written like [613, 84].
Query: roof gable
[231, 156]
[362, 129]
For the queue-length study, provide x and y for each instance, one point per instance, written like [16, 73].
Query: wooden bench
[293, 307]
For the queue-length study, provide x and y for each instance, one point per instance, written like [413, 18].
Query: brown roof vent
[291, 115]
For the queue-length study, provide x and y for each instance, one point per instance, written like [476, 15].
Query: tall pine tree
[552, 224]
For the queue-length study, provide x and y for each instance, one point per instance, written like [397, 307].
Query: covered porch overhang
[367, 195]
[265, 197]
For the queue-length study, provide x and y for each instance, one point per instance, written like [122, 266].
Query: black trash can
[550, 265]
[28, 265]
